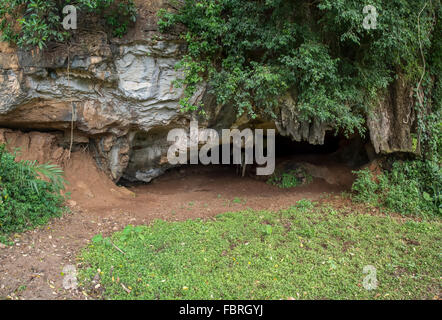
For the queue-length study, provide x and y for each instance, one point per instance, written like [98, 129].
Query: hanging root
[241, 168]
[72, 104]
[420, 94]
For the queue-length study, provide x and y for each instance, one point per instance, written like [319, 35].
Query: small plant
[304, 205]
[99, 239]
[290, 179]
[365, 187]
[26, 199]
[268, 230]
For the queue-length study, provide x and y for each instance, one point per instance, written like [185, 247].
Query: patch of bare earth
[32, 267]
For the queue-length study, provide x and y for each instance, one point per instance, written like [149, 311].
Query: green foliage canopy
[253, 52]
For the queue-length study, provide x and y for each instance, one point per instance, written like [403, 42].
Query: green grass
[306, 252]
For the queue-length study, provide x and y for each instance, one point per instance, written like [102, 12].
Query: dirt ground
[32, 267]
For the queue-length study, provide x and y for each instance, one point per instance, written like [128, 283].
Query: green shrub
[35, 23]
[290, 179]
[365, 187]
[411, 187]
[26, 200]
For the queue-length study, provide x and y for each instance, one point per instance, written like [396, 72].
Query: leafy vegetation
[26, 200]
[290, 179]
[35, 23]
[411, 187]
[254, 53]
[306, 252]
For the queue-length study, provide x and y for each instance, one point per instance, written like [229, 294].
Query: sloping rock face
[392, 120]
[289, 125]
[117, 98]
[109, 92]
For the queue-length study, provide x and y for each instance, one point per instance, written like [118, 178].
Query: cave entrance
[332, 161]
[197, 190]
[353, 151]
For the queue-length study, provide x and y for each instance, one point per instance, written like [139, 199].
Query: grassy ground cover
[309, 251]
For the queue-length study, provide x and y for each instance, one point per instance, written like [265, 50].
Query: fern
[29, 193]
[52, 172]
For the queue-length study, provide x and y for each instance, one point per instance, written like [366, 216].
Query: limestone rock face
[108, 92]
[391, 121]
[289, 124]
[118, 99]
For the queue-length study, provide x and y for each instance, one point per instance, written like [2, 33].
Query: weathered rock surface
[106, 94]
[392, 120]
[289, 124]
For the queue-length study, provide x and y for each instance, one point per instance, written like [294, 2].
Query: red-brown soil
[32, 267]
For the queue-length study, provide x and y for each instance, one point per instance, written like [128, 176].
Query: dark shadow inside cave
[338, 151]
[353, 151]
